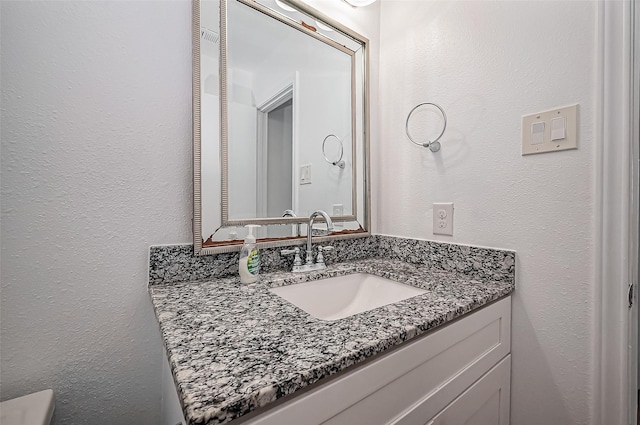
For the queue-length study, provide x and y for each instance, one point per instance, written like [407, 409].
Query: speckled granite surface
[473, 261]
[234, 348]
[177, 263]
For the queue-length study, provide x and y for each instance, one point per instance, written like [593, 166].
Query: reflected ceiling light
[323, 26]
[285, 7]
[357, 3]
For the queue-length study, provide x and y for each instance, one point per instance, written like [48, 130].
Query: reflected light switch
[305, 174]
[558, 128]
[537, 133]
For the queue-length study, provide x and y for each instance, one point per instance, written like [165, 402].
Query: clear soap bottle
[249, 265]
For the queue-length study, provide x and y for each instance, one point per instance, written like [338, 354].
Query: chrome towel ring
[433, 145]
[339, 162]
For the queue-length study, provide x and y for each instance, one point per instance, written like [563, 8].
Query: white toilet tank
[32, 409]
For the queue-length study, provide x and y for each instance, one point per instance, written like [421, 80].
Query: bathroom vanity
[241, 353]
[459, 374]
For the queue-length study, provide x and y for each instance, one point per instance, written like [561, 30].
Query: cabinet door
[485, 403]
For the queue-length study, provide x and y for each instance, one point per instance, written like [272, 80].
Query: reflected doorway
[275, 156]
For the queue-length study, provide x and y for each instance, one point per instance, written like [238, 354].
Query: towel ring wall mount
[433, 145]
[339, 162]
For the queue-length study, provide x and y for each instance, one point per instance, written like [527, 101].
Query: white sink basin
[343, 296]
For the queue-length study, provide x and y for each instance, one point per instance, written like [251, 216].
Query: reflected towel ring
[433, 145]
[339, 162]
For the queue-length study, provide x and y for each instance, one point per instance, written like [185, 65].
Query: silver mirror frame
[199, 249]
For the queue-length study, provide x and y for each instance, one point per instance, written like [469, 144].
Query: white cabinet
[466, 363]
[458, 374]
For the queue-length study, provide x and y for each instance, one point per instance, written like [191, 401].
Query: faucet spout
[312, 217]
[291, 213]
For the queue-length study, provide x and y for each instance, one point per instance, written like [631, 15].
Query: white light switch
[558, 128]
[550, 131]
[305, 174]
[537, 133]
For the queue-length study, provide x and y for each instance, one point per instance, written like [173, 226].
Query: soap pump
[249, 265]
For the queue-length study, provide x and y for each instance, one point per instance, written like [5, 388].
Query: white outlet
[338, 210]
[443, 219]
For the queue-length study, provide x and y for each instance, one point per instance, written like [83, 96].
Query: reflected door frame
[280, 97]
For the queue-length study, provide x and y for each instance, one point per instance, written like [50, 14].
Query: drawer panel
[487, 402]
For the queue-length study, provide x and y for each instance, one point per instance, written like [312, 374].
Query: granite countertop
[233, 347]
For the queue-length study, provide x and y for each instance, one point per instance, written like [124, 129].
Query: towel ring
[433, 145]
[339, 162]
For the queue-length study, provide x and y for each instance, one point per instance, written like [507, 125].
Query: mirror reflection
[287, 92]
[281, 122]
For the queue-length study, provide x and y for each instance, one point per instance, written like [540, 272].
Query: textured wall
[488, 63]
[96, 166]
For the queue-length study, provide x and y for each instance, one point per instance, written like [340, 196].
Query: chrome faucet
[312, 218]
[309, 264]
[291, 213]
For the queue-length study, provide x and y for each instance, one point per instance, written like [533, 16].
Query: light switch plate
[305, 174]
[531, 143]
[443, 219]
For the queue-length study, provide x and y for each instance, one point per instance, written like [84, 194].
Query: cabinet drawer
[487, 402]
[427, 373]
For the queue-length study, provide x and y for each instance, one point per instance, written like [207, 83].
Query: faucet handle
[321, 249]
[296, 261]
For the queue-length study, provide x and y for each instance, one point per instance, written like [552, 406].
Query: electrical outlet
[338, 210]
[443, 219]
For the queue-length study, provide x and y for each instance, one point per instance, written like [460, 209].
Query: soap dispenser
[249, 265]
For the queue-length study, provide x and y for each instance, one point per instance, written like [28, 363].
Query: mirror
[280, 123]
